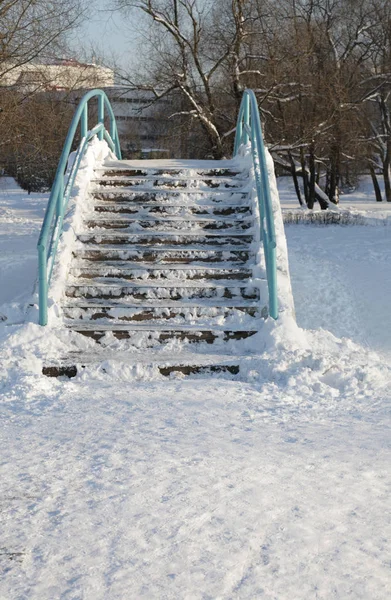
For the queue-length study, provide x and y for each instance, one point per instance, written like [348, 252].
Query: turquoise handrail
[248, 129]
[63, 184]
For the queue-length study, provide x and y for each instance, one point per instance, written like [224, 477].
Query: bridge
[171, 263]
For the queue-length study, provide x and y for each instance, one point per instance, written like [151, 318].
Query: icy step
[171, 209]
[160, 314]
[170, 224]
[160, 333]
[163, 238]
[172, 197]
[171, 183]
[164, 254]
[164, 290]
[156, 272]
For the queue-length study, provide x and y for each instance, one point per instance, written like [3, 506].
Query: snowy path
[168, 492]
[341, 279]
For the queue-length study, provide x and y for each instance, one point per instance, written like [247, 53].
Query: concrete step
[139, 364]
[69, 370]
[163, 238]
[156, 272]
[142, 333]
[172, 210]
[164, 303]
[170, 183]
[172, 172]
[171, 197]
[170, 224]
[192, 256]
[161, 314]
[163, 291]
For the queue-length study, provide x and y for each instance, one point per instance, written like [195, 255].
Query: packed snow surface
[208, 488]
[341, 278]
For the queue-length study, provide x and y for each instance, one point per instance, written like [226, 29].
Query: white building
[141, 120]
[61, 74]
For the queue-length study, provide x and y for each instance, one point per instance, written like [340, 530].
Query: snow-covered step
[156, 272]
[170, 224]
[165, 290]
[178, 210]
[167, 182]
[107, 171]
[164, 254]
[177, 220]
[138, 363]
[164, 303]
[66, 369]
[192, 179]
[187, 238]
[173, 312]
[184, 269]
[161, 333]
[171, 197]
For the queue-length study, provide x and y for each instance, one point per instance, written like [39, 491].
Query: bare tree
[376, 97]
[312, 65]
[33, 28]
[31, 124]
[39, 128]
[192, 46]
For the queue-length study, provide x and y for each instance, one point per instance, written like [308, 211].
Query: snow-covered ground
[341, 278]
[205, 488]
[21, 218]
[360, 199]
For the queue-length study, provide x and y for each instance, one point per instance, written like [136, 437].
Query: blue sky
[108, 33]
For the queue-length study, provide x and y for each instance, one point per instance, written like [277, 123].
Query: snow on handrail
[248, 129]
[63, 183]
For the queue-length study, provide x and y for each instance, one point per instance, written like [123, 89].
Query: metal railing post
[42, 285]
[60, 196]
[246, 116]
[239, 134]
[101, 114]
[84, 122]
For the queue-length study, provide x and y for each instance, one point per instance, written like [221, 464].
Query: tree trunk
[299, 173]
[333, 192]
[375, 182]
[304, 175]
[327, 183]
[295, 180]
[387, 172]
[317, 179]
[311, 187]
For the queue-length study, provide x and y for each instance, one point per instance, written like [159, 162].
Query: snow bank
[337, 217]
[80, 204]
[284, 331]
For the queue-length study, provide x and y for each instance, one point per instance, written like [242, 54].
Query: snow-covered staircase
[161, 275]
